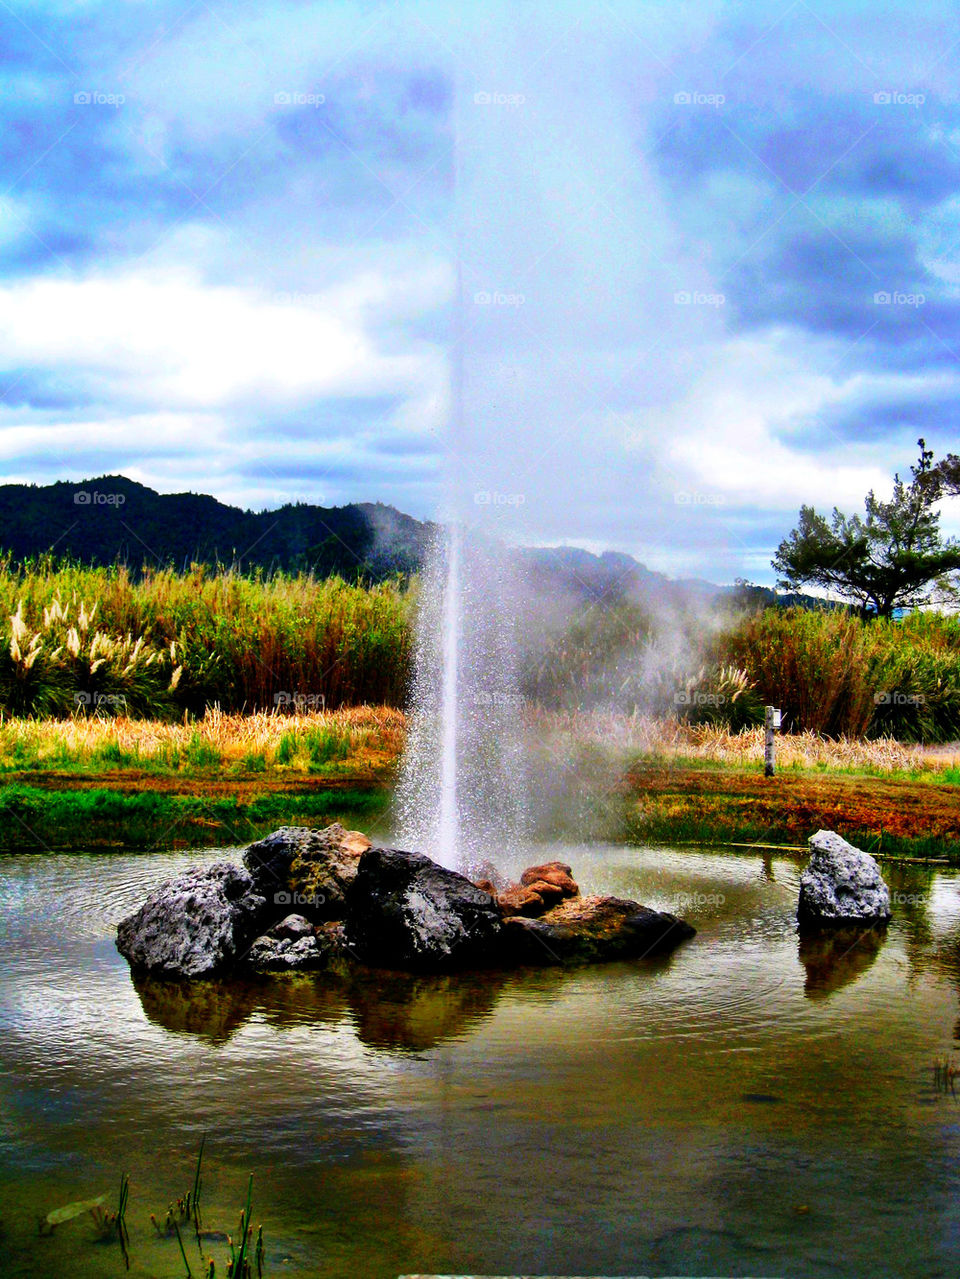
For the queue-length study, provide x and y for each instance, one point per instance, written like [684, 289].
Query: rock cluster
[308, 898]
[540, 888]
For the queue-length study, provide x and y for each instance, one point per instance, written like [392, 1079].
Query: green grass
[34, 819]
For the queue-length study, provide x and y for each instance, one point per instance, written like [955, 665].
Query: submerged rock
[306, 868]
[195, 925]
[406, 912]
[841, 885]
[586, 930]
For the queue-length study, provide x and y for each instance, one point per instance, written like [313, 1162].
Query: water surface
[746, 1106]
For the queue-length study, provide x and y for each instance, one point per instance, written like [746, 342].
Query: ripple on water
[724, 1071]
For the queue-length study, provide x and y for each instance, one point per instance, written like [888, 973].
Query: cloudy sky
[705, 256]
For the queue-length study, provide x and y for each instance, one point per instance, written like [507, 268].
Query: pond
[743, 1107]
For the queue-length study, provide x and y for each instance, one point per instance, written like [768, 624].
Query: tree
[895, 557]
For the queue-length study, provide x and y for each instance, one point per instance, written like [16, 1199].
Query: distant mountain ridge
[113, 519]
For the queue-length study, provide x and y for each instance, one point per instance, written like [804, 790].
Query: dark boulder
[311, 870]
[405, 912]
[587, 930]
[195, 925]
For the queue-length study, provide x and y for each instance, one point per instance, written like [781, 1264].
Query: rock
[295, 945]
[841, 885]
[294, 927]
[591, 930]
[195, 925]
[540, 888]
[309, 869]
[521, 901]
[405, 912]
[285, 954]
[551, 873]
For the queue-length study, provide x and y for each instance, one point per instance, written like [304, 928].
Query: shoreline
[655, 802]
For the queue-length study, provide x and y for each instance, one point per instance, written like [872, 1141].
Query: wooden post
[769, 720]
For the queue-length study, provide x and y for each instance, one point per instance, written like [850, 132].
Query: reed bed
[368, 734]
[648, 737]
[243, 642]
[374, 736]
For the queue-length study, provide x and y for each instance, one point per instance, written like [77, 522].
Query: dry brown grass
[372, 735]
[671, 739]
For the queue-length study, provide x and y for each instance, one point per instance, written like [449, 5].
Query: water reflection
[385, 1010]
[838, 958]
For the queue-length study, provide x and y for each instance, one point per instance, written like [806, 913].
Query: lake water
[739, 1108]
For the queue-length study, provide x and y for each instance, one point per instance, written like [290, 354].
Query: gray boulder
[293, 927]
[841, 886]
[305, 868]
[405, 912]
[195, 925]
[293, 945]
[285, 954]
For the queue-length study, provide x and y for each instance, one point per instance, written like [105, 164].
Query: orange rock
[548, 890]
[519, 900]
[354, 842]
[486, 886]
[552, 873]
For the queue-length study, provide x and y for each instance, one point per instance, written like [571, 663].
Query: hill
[113, 519]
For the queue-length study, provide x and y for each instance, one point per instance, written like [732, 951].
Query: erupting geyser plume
[461, 795]
[460, 798]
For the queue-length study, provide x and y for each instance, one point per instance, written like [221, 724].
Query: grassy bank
[96, 783]
[99, 817]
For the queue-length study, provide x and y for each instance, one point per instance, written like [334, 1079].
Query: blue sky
[708, 258]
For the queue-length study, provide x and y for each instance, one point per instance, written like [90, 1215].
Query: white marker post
[771, 720]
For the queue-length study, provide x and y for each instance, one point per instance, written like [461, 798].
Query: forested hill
[113, 519]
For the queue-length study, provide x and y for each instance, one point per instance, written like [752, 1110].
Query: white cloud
[169, 339]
